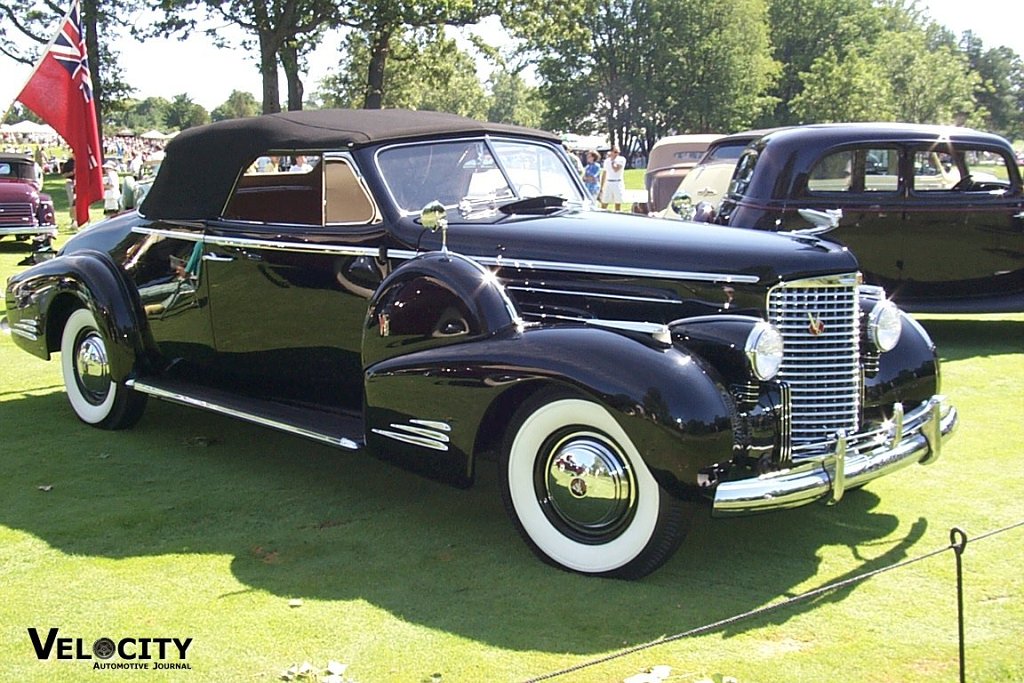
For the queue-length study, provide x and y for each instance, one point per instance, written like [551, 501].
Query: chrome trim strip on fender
[434, 439]
[592, 294]
[177, 397]
[496, 261]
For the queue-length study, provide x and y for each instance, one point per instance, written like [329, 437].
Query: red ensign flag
[60, 93]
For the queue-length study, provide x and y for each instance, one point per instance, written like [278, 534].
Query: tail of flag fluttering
[60, 93]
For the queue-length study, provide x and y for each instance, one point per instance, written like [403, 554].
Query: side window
[287, 188]
[960, 170]
[346, 200]
[743, 173]
[868, 169]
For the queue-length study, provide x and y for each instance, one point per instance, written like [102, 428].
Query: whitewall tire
[96, 399]
[580, 494]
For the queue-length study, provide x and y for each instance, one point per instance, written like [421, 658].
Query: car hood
[18, 191]
[609, 241]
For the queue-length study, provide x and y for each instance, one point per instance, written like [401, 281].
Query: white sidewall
[565, 551]
[86, 411]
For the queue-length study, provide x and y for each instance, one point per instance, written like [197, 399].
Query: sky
[167, 68]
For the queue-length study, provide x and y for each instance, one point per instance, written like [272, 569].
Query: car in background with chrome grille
[25, 211]
[438, 291]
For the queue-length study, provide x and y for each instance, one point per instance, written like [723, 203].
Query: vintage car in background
[25, 211]
[670, 159]
[935, 214]
[438, 290]
[701, 191]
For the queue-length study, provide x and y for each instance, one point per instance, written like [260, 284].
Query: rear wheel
[94, 396]
[581, 495]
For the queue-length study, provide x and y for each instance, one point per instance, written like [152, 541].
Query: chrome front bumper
[49, 230]
[915, 437]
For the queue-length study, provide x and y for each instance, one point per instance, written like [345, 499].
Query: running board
[347, 428]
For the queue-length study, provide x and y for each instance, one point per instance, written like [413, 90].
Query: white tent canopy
[29, 128]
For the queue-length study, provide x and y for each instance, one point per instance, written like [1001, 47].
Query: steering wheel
[963, 184]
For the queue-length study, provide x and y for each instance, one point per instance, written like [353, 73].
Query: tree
[1001, 87]
[514, 101]
[239, 104]
[639, 69]
[184, 113]
[35, 22]
[381, 22]
[852, 89]
[803, 30]
[425, 70]
[283, 30]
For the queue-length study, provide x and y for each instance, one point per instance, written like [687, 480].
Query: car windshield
[473, 172]
[17, 169]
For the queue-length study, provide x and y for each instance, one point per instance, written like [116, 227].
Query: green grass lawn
[268, 550]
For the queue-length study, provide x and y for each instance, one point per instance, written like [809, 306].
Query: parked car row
[437, 290]
[935, 214]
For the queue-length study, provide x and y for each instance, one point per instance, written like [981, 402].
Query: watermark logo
[107, 653]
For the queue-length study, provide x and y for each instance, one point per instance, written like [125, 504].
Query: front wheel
[94, 396]
[580, 494]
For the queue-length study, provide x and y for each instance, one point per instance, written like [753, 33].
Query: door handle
[216, 258]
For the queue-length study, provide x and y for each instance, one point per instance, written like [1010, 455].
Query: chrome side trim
[27, 328]
[593, 294]
[248, 242]
[496, 261]
[176, 397]
[426, 433]
[658, 331]
[624, 271]
[855, 459]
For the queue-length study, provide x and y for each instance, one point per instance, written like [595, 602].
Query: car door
[291, 266]
[865, 182]
[963, 224]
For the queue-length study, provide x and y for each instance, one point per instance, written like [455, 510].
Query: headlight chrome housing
[885, 325]
[682, 205]
[764, 351]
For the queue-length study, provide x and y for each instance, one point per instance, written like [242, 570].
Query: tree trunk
[92, 49]
[268, 70]
[379, 50]
[290, 62]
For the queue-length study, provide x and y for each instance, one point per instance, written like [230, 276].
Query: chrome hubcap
[588, 488]
[92, 368]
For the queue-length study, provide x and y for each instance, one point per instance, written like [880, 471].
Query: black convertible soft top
[203, 163]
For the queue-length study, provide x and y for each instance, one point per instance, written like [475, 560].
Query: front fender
[908, 374]
[43, 297]
[459, 396]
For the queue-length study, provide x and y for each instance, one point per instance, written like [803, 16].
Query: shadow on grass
[306, 521]
[963, 338]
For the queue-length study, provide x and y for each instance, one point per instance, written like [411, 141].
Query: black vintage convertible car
[436, 289]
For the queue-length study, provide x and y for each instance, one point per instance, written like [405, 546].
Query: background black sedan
[935, 214]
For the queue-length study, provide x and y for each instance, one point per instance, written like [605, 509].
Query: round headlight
[885, 325]
[764, 351]
[682, 205]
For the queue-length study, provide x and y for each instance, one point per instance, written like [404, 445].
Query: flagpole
[39, 62]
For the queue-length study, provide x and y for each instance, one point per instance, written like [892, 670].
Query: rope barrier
[957, 544]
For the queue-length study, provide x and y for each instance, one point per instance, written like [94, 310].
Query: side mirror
[434, 217]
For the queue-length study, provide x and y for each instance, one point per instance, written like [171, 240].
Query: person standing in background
[592, 174]
[612, 179]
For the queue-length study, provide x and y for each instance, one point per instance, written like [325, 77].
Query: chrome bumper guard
[850, 461]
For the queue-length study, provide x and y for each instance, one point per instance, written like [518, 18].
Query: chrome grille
[820, 324]
[16, 214]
